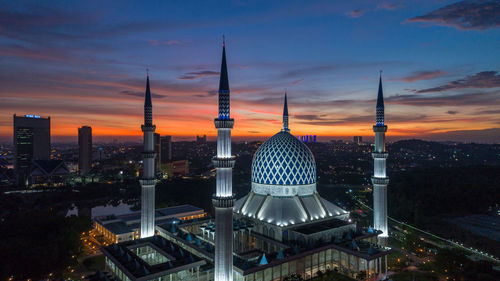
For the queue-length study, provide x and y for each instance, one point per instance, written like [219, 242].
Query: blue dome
[283, 160]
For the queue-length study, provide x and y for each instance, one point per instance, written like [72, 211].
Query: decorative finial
[147, 71]
[223, 40]
[380, 72]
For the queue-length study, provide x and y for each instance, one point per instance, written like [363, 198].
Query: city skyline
[56, 64]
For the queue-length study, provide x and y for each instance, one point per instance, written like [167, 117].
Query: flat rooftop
[322, 226]
[174, 211]
[126, 223]
[150, 256]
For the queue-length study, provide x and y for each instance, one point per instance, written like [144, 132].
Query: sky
[84, 63]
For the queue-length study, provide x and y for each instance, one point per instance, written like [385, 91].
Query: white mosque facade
[281, 227]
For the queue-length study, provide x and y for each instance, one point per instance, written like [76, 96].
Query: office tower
[84, 149]
[166, 149]
[358, 139]
[201, 139]
[380, 179]
[31, 142]
[223, 200]
[157, 143]
[148, 180]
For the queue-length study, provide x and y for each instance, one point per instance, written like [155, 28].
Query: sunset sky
[84, 63]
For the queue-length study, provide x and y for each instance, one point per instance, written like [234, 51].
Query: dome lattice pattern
[283, 160]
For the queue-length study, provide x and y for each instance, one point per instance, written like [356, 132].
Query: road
[447, 242]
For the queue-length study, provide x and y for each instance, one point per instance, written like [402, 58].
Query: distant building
[178, 168]
[201, 139]
[126, 227]
[31, 142]
[358, 139]
[48, 173]
[84, 149]
[166, 149]
[157, 147]
[307, 138]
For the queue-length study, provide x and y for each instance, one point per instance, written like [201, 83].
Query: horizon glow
[84, 63]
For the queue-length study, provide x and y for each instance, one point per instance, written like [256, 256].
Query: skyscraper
[358, 139]
[148, 180]
[380, 179]
[84, 149]
[223, 200]
[166, 149]
[201, 139]
[31, 142]
[157, 143]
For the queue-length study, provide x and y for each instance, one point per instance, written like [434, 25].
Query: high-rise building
[31, 142]
[157, 143]
[358, 139]
[201, 139]
[380, 179]
[223, 200]
[148, 180]
[166, 149]
[84, 149]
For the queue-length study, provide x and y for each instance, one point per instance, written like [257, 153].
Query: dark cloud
[166, 43]
[324, 120]
[309, 70]
[421, 75]
[487, 112]
[356, 13]
[198, 74]
[36, 25]
[467, 99]
[485, 79]
[297, 82]
[254, 132]
[386, 6]
[452, 112]
[141, 94]
[310, 117]
[16, 50]
[464, 15]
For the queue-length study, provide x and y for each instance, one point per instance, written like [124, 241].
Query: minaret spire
[148, 180]
[285, 115]
[223, 85]
[223, 199]
[380, 103]
[380, 179]
[147, 101]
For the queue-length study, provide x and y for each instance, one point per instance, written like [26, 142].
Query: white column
[380, 181]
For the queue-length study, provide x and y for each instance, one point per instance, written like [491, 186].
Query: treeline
[429, 198]
[417, 196]
[37, 243]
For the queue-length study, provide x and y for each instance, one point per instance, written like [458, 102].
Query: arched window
[271, 232]
[264, 230]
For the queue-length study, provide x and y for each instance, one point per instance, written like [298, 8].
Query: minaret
[380, 179]
[148, 180]
[285, 116]
[223, 200]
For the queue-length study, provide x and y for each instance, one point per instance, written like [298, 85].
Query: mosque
[282, 227]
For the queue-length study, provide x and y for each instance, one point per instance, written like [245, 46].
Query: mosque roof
[284, 160]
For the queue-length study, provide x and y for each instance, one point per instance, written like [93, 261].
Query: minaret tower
[148, 180]
[380, 179]
[223, 200]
